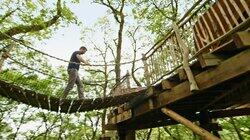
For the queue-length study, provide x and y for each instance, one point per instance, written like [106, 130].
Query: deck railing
[206, 27]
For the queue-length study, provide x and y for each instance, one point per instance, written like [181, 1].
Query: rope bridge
[51, 103]
[180, 47]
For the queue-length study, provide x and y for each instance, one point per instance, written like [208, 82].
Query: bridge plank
[242, 39]
[67, 106]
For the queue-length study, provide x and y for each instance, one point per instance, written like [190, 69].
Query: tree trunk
[166, 130]
[120, 18]
[5, 55]
[149, 134]
[236, 129]
[21, 122]
[119, 47]
[126, 134]
[159, 134]
[34, 27]
[146, 69]
[191, 79]
[132, 35]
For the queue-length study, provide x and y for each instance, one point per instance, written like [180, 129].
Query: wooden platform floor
[224, 91]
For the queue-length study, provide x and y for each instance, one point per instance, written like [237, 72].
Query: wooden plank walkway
[68, 106]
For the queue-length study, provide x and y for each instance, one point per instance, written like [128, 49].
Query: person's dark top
[76, 61]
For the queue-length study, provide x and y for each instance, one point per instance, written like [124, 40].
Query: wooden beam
[208, 60]
[196, 129]
[182, 74]
[126, 134]
[105, 138]
[213, 114]
[212, 127]
[230, 113]
[167, 84]
[195, 117]
[113, 120]
[147, 105]
[120, 109]
[242, 39]
[228, 69]
[178, 92]
[142, 97]
[110, 127]
[207, 123]
[124, 116]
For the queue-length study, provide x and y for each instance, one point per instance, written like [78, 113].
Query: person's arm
[82, 60]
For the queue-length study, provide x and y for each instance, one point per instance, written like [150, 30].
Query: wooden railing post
[146, 72]
[193, 84]
[128, 80]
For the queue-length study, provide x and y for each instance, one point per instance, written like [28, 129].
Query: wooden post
[196, 129]
[208, 60]
[242, 39]
[126, 134]
[206, 123]
[146, 72]
[128, 80]
[193, 84]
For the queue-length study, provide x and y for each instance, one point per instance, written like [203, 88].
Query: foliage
[16, 119]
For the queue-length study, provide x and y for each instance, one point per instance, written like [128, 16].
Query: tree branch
[8, 14]
[114, 11]
[34, 27]
[161, 11]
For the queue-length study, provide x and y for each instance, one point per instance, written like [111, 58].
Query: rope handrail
[50, 75]
[84, 82]
[21, 42]
[45, 73]
[92, 83]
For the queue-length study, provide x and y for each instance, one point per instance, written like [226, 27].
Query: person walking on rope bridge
[73, 68]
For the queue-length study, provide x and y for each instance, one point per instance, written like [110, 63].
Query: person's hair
[84, 48]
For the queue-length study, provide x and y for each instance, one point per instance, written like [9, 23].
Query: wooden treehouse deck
[212, 80]
[224, 91]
